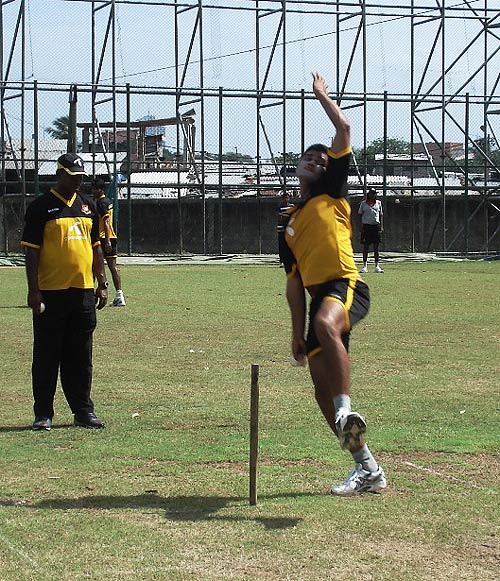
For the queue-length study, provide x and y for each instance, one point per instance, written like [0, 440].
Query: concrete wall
[248, 225]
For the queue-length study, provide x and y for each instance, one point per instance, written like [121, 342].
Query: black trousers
[62, 342]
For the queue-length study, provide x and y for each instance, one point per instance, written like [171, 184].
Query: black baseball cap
[71, 164]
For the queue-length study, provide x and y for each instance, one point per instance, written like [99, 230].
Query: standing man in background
[108, 237]
[63, 257]
[372, 226]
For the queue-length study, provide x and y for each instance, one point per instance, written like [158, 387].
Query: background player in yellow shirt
[319, 258]
[63, 256]
[108, 237]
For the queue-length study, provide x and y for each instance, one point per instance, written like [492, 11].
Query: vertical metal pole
[337, 49]
[258, 93]
[486, 143]
[443, 123]
[177, 112]
[113, 82]
[412, 124]
[466, 188]
[302, 120]
[384, 169]
[220, 169]
[283, 84]
[254, 433]
[36, 184]
[3, 169]
[365, 103]
[129, 188]
[23, 104]
[258, 103]
[202, 132]
[92, 148]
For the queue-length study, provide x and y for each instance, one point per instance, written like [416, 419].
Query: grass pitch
[162, 492]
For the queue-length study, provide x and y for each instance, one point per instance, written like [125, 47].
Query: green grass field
[164, 494]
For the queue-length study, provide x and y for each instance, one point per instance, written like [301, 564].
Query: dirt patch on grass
[464, 469]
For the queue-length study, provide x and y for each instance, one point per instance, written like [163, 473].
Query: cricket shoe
[89, 420]
[378, 269]
[359, 481]
[350, 429]
[363, 270]
[119, 301]
[42, 423]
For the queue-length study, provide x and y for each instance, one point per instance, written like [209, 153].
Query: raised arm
[342, 139]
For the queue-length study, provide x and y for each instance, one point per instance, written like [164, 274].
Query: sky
[145, 57]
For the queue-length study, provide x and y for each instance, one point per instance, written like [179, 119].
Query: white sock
[342, 404]
[366, 459]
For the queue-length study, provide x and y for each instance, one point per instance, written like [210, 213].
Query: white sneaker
[350, 429]
[359, 481]
[363, 270]
[119, 301]
[378, 269]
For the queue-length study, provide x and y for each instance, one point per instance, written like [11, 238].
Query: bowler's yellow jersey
[318, 233]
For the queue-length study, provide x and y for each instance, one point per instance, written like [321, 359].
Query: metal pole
[113, 82]
[466, 189]
[220, 169]
[202, 132]
[177, 112]
[302, 121]
[35, 139]
[486, 143]
[23, 104]
[412, 123]
[129, 188]
[384, 169]
[443, 123]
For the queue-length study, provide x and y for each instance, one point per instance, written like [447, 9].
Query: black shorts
[112, 252]
[370, 234]
[354, 296]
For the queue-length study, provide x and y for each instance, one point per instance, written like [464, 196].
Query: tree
[234, 156]
[60, 128]
[291, 158]
[394, 145]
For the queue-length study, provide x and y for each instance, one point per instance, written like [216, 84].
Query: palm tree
[60, 128]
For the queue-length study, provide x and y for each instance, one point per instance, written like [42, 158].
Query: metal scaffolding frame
[426, 94]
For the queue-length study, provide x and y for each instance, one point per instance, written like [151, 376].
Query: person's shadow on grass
[177, 508]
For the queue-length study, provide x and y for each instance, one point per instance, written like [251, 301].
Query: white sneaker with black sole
[359, 481]
[350, 428]
[119, 301]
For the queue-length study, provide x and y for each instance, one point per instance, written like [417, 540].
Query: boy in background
[108, 237]
[372, 226]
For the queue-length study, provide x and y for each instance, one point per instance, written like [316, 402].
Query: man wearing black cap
[63, 257]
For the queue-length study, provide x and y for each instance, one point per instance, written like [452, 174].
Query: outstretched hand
[319, 85]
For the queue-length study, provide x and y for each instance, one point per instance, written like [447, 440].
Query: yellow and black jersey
[318, 233]
[105, 208]
[65, 232]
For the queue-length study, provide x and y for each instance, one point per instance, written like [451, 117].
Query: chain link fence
[193, 167]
